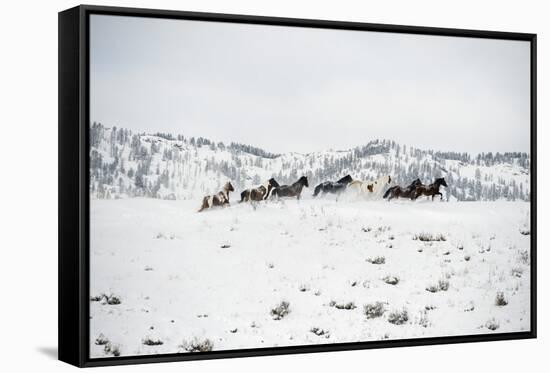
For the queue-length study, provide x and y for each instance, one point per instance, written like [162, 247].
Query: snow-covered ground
[183, 276]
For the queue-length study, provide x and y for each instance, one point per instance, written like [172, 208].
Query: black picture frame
[74, 184]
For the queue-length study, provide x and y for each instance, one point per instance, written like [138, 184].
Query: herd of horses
[272, 189]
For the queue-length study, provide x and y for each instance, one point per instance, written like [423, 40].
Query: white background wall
[28, 183]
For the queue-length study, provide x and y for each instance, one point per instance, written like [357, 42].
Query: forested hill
[125, 164]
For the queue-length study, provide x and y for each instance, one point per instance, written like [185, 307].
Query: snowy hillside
[125, 164]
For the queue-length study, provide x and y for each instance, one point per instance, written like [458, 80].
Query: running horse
[432, 189]
[293, 190]
[260, 193]
[219, 199]
[408, 192]
[371, 189]
[333, 187]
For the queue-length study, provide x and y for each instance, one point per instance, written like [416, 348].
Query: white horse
[370, 189]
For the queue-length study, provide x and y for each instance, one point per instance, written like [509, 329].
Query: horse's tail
[243, 196]
[274, 192]
[317, 190]
[388, 191]
[204, 204]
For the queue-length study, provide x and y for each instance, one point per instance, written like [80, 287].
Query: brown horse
[431, 190]
[219, 199]
[260, 193]
[408, 192]
[253, 194]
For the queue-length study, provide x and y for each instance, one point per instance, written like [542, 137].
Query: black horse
[271, 184]
[333, 187]
[293, 190]
[432, 189]
[408, 192]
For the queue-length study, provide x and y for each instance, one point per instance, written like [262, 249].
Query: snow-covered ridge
[126, 164]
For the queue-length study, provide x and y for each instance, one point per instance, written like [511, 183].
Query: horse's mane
[299, 181]
[345, 180]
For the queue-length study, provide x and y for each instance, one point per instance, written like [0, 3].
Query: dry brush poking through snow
[500, 299]
[391, 280]
[343, 305]
[374, 310]
[441, 285]
[101, 340]
[398, 317]
[429, 237]
[281, 310]
[197, 345]
[243, 288]
[492, 324]
[320, 332]
[148, 341]
[377, 260]
[106, 299]
[111, 349]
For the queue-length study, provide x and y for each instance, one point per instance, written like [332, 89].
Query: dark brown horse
[408, 192]
[293, 190]
[219, 199]
[260, 193]
[431, 190]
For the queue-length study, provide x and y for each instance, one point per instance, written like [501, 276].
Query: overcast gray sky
[297, 89]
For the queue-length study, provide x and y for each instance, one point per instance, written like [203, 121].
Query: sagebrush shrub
[500, 299]
[197, 345]
[148, 341]
[281, 310]
[492, 324]
[391, 280]
[398, 317]
[377, 260]
[101, 340]
[428, 237]
[374, 310]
